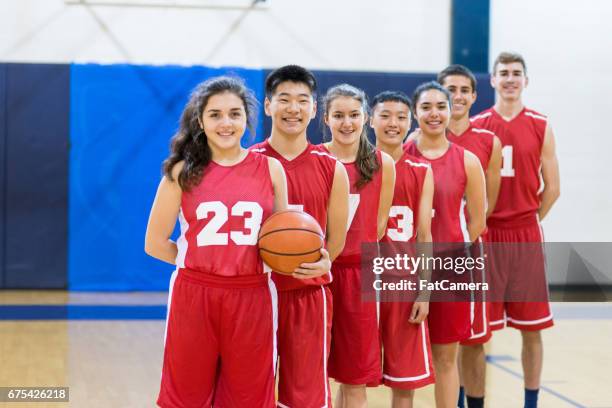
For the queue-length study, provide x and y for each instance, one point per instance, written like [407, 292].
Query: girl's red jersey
[221, 216]
[363, 212]
[450, 180]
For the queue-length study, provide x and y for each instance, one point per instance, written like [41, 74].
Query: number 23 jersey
[220, 218]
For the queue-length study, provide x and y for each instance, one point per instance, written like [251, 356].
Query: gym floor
[107, 347]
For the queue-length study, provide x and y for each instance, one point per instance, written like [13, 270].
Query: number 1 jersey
[220, 218]
[522, 139]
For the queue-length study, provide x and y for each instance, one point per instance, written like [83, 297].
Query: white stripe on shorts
[172, 279]
[171, 285]
[325, 380]
[274, 298]
[425, 355]
[483, 303]
[502, 321]
[530, 322]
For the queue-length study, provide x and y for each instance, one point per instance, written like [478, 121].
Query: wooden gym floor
[107, 347]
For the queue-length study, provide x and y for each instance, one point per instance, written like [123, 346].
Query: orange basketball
[289, 238]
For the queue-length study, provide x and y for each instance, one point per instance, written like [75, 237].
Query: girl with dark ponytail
[459, 184]
[355, 352]
[221, 309]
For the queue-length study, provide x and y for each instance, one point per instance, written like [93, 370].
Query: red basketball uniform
[480, 306]
[449, 322]
[407, 350]
[355, 348]
[515, 216]
[221, 327]
[479, 142]
[305, 306]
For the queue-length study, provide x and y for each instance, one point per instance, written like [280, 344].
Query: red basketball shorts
[355, 347]
[481, 332]
[480, 307]
[407, 350]
[220, 342]
[304, 335]
[530, 316]
[449, 322]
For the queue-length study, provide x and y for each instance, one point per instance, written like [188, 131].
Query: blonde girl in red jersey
[221, 312]
[355, 350]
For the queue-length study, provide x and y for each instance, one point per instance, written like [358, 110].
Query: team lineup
[240, 336]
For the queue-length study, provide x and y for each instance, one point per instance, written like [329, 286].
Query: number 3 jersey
[220, 218]
[409, 179]
[522, 139]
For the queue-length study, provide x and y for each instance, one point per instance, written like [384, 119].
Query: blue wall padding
[470, 33]
[373, 83]
[82, 312]
[3, 125]
[36, 195]
[122, 119]
[486, 94]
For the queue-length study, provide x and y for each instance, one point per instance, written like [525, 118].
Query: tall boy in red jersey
[528, 151]
[318, 184]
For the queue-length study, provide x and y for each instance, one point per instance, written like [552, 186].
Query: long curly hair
[366, 161]
[190, 143]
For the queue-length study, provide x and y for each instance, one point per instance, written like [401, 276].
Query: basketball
[289, 238]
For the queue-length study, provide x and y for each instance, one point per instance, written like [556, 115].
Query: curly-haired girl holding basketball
[222, 307]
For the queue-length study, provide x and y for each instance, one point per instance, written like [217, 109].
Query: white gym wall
[568, 50]
[385, 35]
